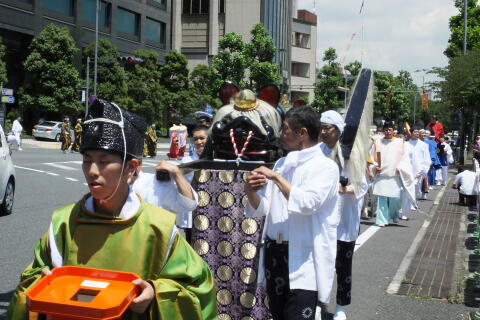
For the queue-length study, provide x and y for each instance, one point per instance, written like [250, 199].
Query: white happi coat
[311, 215]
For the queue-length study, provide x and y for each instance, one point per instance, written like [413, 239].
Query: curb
[394, 286]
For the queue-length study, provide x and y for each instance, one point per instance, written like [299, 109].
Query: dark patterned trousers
[285, 304]
[343, 268]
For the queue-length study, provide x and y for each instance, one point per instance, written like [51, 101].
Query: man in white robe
[299, 199]
[17, 131]
[350, 204]
[420, 159]
[393, 170]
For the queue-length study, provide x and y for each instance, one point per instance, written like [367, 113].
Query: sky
[397, 35]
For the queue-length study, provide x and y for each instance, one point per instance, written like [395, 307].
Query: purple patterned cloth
[230, 244]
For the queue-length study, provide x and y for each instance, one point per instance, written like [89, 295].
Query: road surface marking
[59, 166]
[71, 179]
[30, 169]
[367, 234]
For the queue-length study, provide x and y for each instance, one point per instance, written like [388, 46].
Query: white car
[50, 130]
[7, 176]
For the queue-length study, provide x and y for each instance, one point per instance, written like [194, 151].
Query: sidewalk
[162, 145]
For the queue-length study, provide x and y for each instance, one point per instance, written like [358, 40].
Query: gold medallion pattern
[201, 222]
[244, 176]
[226, 199]
[249, 226]
[224, 316]
[225, 248]
[247, 318]
[225, 224]
[204, 176]
[248, 275]
[224, 297]
[201, 246]
[266, 302]
[225, 273]
[248, 250]
[203, 198]
[248, 300]
[226, 176]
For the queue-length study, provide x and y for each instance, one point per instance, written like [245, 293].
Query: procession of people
[270, 236]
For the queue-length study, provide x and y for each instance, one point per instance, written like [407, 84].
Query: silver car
[49, 130]
[7, 176]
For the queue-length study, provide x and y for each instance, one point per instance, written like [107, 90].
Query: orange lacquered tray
[78, 293]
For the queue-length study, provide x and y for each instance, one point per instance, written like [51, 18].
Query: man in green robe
[113, 228]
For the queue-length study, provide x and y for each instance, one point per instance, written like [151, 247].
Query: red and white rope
[245, 144]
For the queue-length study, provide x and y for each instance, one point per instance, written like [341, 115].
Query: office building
[129, 25]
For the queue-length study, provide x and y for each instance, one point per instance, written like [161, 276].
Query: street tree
[3, 66]
[354, 69]
[54, 81]
[111, 84]
[259, 54]
[145, 94]
[394, 96]
[179, 97]
[205, 83]
[455, 43]
[329, 78]
[230, 62]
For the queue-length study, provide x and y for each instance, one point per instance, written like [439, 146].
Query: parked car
[7, 176]
[49, 130]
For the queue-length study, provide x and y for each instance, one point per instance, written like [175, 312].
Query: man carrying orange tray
[113, 228]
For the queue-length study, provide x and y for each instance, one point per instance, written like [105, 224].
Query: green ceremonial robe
[183, 284]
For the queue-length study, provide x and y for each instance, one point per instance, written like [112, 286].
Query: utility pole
[87, 87]
[461, 158]
[465, 12]
[96, 49]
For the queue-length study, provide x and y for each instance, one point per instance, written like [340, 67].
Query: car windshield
[48, 124]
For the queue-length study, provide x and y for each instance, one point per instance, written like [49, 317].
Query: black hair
[200, 128]
[304, 117]
[417, 127]
[388, 125]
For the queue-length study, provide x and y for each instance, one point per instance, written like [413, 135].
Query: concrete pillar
[177, 25]
[213, 28]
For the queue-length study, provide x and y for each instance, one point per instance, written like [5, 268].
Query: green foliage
[354, 69]
[235, 57]
[460, 86]
[394, 96]
[54, 79]
[205, 83]
[259, 53]
[111, 84]
[329, 79]
[455, 43]
[174, 73]
[3, 67]
[230, 62]
[145, 95]
[179, 99]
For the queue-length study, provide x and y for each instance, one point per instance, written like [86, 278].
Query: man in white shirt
[350, 205]
[466, 183]
[299, 199]
[173, 193]
[17, 131]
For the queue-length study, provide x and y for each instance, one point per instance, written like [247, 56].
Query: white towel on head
[334, 118]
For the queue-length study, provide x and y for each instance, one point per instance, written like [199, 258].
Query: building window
[196, 6]
[221, 6]
[128, 22]
[26, 1]
[301, 40]
[88, 12]
[61, 6]
[163, 3]
[155, 31]
[300, 69]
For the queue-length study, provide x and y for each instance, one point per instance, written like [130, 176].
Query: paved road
[48, 179]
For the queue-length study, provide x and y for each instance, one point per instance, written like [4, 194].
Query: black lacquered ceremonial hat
[102, 129]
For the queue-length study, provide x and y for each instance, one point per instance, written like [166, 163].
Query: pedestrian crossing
[65, 169]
